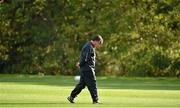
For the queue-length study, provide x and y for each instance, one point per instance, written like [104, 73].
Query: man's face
[96, 44]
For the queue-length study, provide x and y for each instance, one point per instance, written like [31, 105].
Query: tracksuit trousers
[88, 79]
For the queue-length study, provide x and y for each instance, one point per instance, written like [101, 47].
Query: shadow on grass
[102, 82]
[40, 103]
[51, 104]
[44, 104]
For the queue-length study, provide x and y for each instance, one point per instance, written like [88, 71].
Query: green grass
[51, 91]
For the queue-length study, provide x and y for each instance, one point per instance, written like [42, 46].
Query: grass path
[51, 91]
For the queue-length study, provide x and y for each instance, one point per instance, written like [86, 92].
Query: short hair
[98, 38]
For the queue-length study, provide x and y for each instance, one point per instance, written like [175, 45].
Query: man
[87, 70]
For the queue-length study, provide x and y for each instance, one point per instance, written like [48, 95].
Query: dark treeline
[141, 37]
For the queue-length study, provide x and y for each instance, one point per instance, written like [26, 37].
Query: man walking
[87, 70]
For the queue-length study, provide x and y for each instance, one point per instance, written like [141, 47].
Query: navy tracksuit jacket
[87, 70]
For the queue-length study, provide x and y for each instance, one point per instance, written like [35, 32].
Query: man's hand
[77, 65]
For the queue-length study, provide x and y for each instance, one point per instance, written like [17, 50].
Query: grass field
[51, 91]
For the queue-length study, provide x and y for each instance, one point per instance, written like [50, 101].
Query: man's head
[97, 40]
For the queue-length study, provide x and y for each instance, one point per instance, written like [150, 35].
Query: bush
[160, 63]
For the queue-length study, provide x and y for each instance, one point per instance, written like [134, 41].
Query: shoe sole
[69, 100]
[97, 103]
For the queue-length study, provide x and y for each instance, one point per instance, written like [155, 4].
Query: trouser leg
[78, 88]
[90, 81]
[93, 91]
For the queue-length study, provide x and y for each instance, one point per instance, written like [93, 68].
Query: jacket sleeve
[85, 55]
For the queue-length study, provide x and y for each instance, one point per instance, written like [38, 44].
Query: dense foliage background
[141, 37]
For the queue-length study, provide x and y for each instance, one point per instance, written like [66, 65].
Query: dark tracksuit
[87, 72]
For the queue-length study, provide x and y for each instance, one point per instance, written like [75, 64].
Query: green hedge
[141, 38]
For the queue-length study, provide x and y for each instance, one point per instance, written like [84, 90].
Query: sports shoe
[70, 99]
[96, 102]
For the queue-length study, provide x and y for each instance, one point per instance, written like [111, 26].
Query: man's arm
[84, 56]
